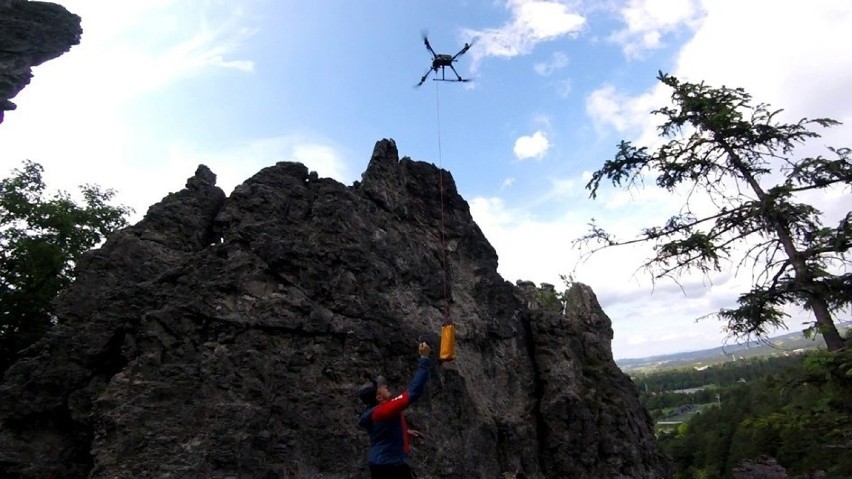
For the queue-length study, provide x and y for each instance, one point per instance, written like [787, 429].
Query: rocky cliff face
[225, 337]
[31, 33]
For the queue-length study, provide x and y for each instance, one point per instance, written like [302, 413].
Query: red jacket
[386, 424]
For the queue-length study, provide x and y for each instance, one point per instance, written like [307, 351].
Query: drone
[441, 61]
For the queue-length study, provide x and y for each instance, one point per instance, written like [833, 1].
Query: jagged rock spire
[227, 336]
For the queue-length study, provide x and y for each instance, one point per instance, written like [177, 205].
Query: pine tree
[720, 144]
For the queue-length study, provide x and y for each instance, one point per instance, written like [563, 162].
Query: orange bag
[448, 342]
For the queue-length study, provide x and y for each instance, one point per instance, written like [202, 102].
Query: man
[386, 425]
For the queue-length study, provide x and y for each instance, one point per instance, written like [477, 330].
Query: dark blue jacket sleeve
[366, 419]
[418, 384]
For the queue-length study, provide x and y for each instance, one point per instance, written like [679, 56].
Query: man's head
[382, 393]
[374, 392]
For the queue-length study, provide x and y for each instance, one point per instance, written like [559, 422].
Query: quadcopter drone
[441, 61]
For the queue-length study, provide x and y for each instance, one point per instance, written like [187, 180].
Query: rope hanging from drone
[441, 62]
[448, 329]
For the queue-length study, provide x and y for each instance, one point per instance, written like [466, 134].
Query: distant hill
[778, 345]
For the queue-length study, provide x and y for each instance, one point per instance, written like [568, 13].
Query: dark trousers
[399, 471]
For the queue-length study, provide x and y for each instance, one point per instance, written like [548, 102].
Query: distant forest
[659, 391]
[796, 409]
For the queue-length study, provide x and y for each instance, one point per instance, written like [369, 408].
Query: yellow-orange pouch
[448, 342]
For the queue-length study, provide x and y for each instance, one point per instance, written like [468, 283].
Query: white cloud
[775, 49]
[760, 55]
[529, 248]
[606, 107]
[658, 199]
[236, 163]
[532, 146]
[557, 61]
[642, 313]
[323, 159]
[232, 164]
[563, 88]
[565, 187]
[628, 115]
[492, 212]
[647, 21]
[532, 22]
[507, 183]
[128, 51]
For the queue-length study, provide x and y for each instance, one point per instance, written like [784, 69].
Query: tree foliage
[798, 415]
[41, 239]
[550, 299]
[740, 156]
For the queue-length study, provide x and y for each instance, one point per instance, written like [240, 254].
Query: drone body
[440, 61]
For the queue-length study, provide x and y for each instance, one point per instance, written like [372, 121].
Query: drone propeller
[428, 46]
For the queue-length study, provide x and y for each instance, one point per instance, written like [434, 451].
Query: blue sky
[158, 86]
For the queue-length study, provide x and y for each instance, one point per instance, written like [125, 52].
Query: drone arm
[423, 78]
[429, 47]
[462, 51]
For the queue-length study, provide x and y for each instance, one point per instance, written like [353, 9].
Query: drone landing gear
[444, 78]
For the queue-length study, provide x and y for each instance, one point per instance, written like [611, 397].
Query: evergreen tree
[722, 145]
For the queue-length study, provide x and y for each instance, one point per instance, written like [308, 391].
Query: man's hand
[415, 433]
[424, 350]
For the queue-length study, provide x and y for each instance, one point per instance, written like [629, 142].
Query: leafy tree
[799, 415]
[550, 299]
[718, 143]
[41, 239]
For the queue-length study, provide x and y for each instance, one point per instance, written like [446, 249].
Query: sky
[157, 87]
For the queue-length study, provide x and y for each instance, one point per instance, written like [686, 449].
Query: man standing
[386, 425]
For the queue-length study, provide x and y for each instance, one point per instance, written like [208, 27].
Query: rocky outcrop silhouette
[226, 337]
[31, 33]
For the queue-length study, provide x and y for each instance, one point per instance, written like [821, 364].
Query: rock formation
[765, 467]
[225, 337]
[31, 33]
